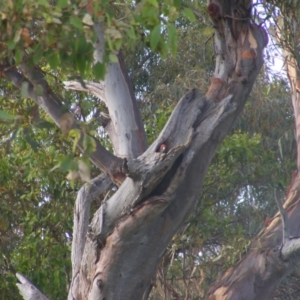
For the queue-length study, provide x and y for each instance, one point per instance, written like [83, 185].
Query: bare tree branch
[126, 128]
[130, 231]
[291, 248]
[96, 89]
[28, 290]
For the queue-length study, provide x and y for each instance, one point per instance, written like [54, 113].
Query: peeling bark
[270, 258]
[276, 250]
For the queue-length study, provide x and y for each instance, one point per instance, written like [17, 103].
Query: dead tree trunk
[115, 257]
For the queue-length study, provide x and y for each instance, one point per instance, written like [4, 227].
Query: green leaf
[27, 132]
[81, 64]
[10, 279]
[41, 123]
[131, 33]
[17, 36]
[177, 3]
[11, 45]
[24, 89]
[37, 56]
[52, 59]
[18, 56]
[43, 2]
[76, 22]
[62, 3]
[153, 2]
[5, 116]
[117, 44]
[89, 144]
[113, 58]
[155, 37]
[67, 163]
[188, 13]
[74, 133]
[280, 148]
[99, 70]
[172, 38]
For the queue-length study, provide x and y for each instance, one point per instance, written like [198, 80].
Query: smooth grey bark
[94, 88]
[28, 290]
[134, 239]
[126, 129]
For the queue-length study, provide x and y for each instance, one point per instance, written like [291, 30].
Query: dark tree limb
[38, 89]
[269, 259]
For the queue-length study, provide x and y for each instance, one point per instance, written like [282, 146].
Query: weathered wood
[28, 290]
[268, 260]
[85, 196]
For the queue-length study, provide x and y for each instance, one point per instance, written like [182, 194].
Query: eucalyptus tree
[115, 255]
[274, 252]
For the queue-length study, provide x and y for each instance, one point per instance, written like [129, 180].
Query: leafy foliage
[36, 221]
[60, 33]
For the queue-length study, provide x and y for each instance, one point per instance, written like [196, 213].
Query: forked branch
[40, 92]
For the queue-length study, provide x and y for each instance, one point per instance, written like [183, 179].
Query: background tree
[273, 253]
